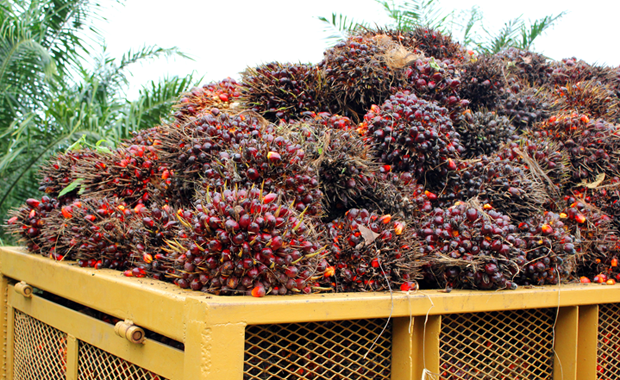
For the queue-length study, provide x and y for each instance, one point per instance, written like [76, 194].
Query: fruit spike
[236, 243]
[592, 145]
[589, 97]
[191, 148]
[31, 221]
[60, 171]
[434, 44]
[221, 95]
[274, 163]
[484, 132]
[482, 82]
[282, 91]
[525, 68]
[437, 81]
[467, 247]
[370, 252]
[361, 71]
[412, 135]
[550, 251]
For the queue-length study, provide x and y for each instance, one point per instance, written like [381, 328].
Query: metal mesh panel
[96, 364]
[608, 342]
[497, 345]
[323, 350]
[40, 351]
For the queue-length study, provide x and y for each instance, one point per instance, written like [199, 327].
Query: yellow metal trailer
[59, 322]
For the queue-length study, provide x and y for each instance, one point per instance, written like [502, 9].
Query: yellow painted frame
[213, 327]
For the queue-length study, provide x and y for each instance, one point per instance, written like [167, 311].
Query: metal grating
[608, 364]
[40, 351]
[96, 364]
[317, 351]
[497, 345]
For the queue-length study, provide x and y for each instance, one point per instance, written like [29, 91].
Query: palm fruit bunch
[190, 149]
[527, 68]
[149, 136]
[371, 252]
[361, 71]
[434, 44]
[525, 107]
[400, 194]
[94, 231]
[150, 230]
[437, 81]
[604, 195]
[482, 82]
[465, 246]
[133, 173]
[59, 172]
[282, 91]
[499, 183]
[549, 251]
[30, 220]
[245, 241]
[221, 95]
[344, 164]
[483, 133]
[588, 97]
[592, 145]
[413, 135]
[274, 163]
[573, 70]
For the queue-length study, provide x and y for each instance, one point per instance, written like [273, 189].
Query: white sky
[225, 37]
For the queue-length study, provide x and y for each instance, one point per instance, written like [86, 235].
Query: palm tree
[49, 101]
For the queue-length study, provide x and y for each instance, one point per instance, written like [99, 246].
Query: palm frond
[339, 27]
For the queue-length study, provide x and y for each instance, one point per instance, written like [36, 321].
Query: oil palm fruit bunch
[59, 172]
[527, 68]
[604, 195]
[399, 194]
[467, 247]
[573, 70]
[588, 97]
[326, 120]
[150, 136]
[525, 107]
[344, 164]
[274, 163]
[413, 135]
[150, 231]
[435, 44]
[484, 133]
[247, 242]
[592, 145]
[482, 82]
[282, 91]
[360, 72]
[437, 81]
[221, 95]
[133, 173]
[28, 221]
[94, 231]
[370, 252]
[499, 183]
[189, 149]
[597, 235]
[549, 251]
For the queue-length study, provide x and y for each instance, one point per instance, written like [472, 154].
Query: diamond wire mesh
[497, 345]
[608, 366]
[317, 351]
[96, 364]
[40, 351]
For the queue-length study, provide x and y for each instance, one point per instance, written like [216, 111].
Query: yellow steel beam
[154, 356]
[402, 348]
[146, 302]
[3, 329]
[565, 347]
[587, 344]
[72, 357]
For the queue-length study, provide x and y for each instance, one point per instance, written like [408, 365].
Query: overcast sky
[225, 37]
